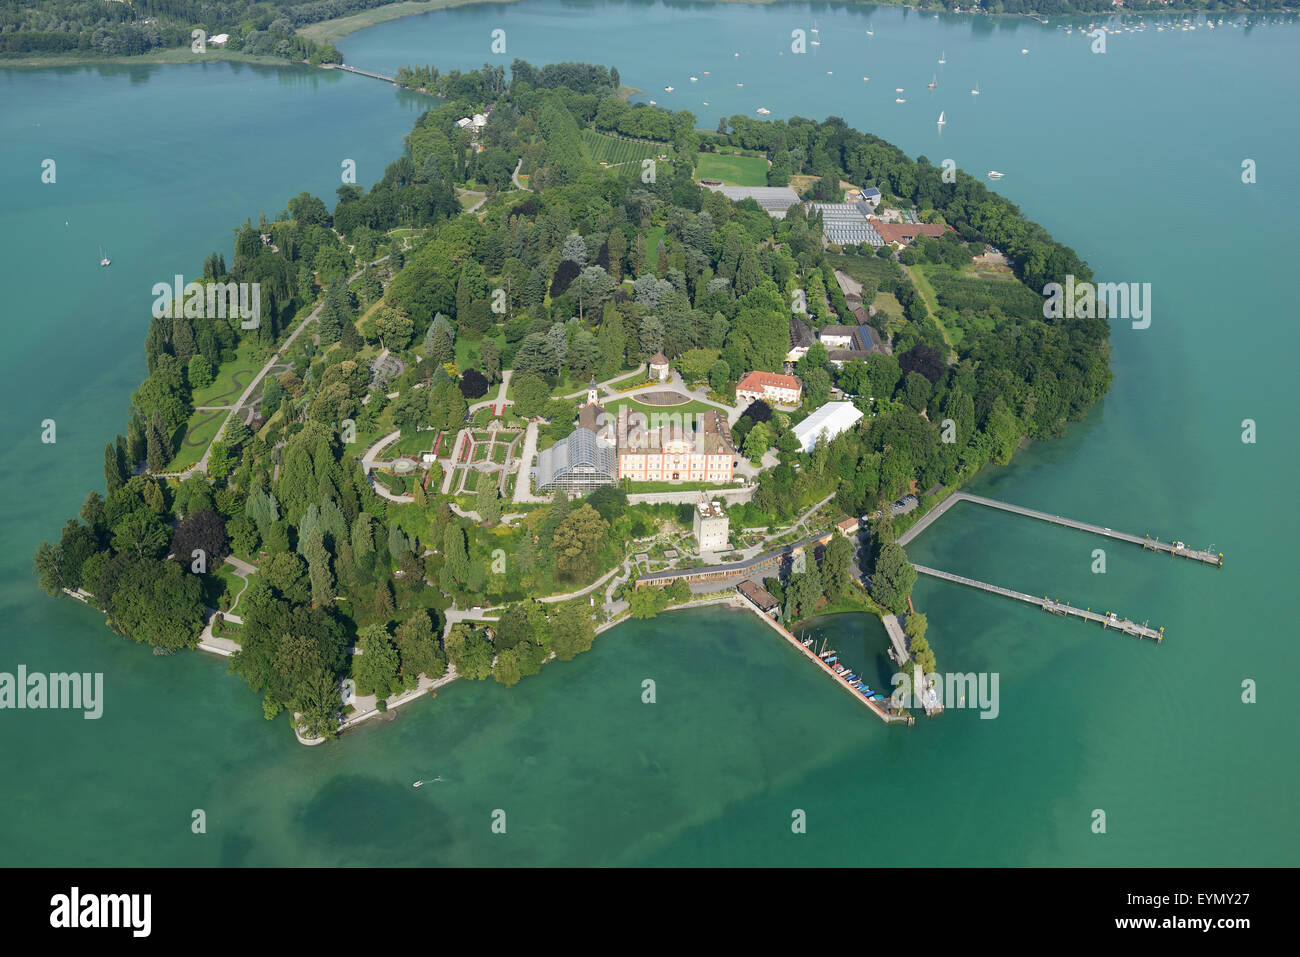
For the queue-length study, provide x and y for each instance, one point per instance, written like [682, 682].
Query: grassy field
[233, 377]
[201, 435]
[888, 303]
[733, 170]
[615, 151]
[922, 282]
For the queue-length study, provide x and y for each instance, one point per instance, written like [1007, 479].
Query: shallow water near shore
[1133, 159]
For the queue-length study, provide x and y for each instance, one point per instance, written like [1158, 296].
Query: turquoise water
[1132, 157]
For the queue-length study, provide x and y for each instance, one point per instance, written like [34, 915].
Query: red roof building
[905, 232]
[770, 387]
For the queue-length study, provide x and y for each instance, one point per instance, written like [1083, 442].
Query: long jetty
[1108, 621]
[352, 69]
[1175, 548]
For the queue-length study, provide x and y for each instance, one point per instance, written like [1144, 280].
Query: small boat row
[842, 672]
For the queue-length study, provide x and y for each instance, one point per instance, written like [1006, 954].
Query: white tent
[830, 420]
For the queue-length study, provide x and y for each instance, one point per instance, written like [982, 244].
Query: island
[571, 361]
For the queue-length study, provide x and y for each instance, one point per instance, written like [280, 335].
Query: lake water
[1133, 157]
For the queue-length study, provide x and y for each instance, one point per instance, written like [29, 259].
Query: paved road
[523, 494]
[549, 599]
[674, 383]
[501, 394]
[605, 387]
[514, 177]
[368, 459]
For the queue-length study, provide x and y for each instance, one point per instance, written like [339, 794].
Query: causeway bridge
[352, 69]
[1175, 548]
[1109, 620]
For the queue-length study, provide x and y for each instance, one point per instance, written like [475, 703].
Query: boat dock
[1108, 621]
[1175, 548]
[876, 707]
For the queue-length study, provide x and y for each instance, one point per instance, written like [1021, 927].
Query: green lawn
[467, 355]
[228, 629]
[233, 377]
[412, 444]
[397, 484]
[219, 581]
[733, 170]
[195, 442]
[693, 406]
[635, 488]
[888, 303]
[653, 237]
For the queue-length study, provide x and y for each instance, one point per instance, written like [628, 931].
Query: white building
[837, 337]
[659, 367]
[827, 422]
[770, 387]
[711, 526]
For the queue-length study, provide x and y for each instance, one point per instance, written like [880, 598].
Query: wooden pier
[1175, 548]
[1107, 621]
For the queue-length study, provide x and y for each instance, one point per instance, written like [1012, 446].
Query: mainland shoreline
[331, 31]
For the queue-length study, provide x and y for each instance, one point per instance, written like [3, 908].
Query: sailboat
[941, 119]
[934, 81]
[869, 33]
[104, 260]
[976, 91]
[943, 58]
